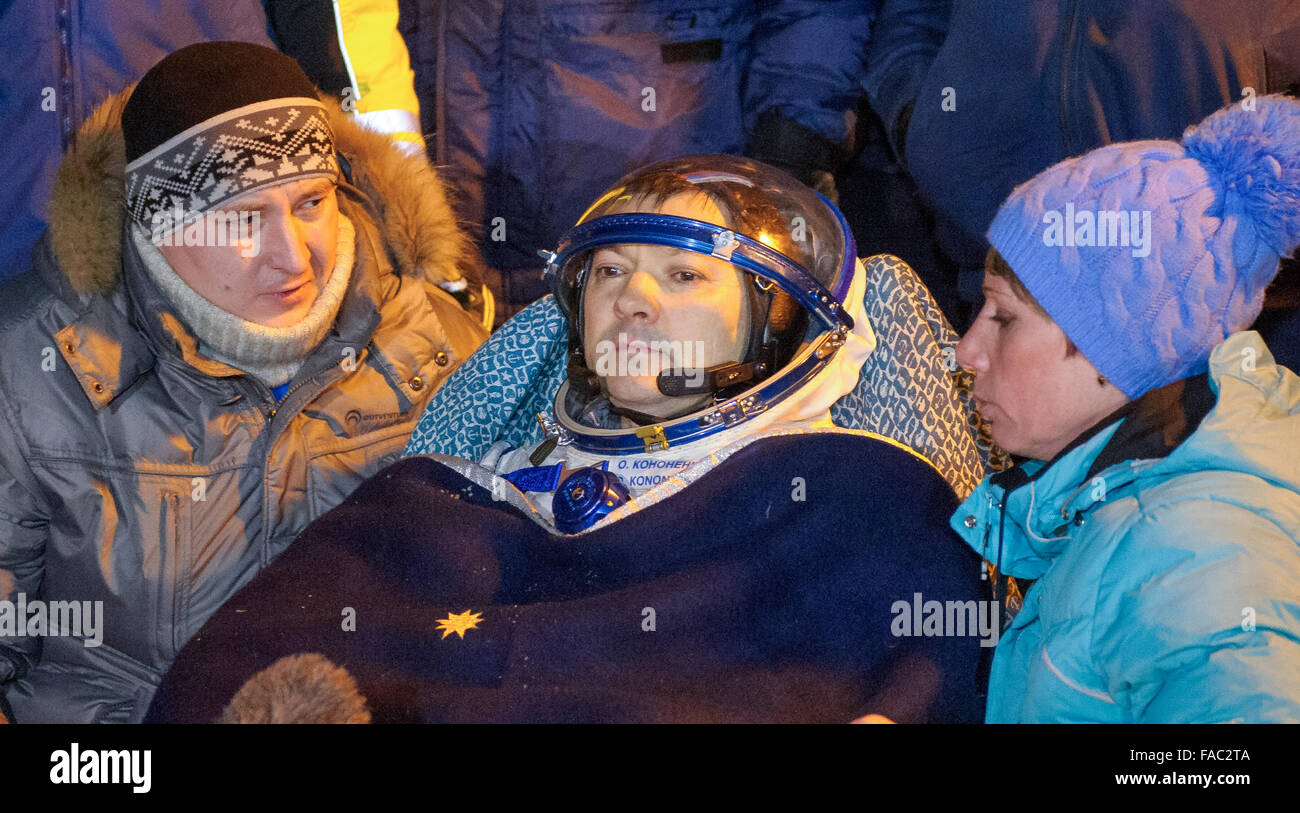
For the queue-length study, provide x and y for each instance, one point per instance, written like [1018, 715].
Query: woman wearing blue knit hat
[1156, 503]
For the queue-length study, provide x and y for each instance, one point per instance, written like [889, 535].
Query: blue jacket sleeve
[904, 42]
[1198, 619]
[808, 60]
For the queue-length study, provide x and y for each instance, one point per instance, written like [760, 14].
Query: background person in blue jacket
[1158, 504]
[979, 96]
[538, 105]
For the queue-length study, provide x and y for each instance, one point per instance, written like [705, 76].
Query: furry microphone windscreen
[305, 688]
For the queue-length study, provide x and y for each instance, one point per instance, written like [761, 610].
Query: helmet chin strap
[642, 418]
[715, 381]
[708, 380]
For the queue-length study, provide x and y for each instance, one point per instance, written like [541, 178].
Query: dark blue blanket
[734, 600]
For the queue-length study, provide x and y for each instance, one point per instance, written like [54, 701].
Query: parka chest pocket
[205, 529]
[144, 567]
[158, 543]
[174, 570]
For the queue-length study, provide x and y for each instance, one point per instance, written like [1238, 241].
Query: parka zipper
[273, 407]
[324, 379]
[177, 548]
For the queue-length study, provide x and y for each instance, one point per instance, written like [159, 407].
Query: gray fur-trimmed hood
[87, 202]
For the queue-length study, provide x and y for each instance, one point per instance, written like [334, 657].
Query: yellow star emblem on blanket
[459, 623]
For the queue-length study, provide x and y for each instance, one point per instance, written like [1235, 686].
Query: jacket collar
[105, 357]
[1156, 423]
[1034, 508]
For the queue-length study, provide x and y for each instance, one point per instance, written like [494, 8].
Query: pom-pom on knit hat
[215, 120]
[1150, 253]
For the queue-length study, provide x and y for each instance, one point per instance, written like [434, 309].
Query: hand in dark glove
[804, 153]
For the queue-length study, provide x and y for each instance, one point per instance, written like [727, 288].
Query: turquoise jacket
[1166, 552]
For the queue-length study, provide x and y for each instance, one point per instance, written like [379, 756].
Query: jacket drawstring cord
[1029, 518]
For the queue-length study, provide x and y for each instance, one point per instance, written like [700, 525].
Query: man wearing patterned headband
[234, 318]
